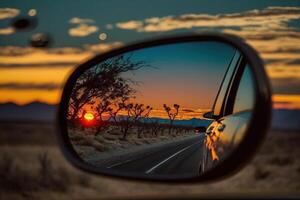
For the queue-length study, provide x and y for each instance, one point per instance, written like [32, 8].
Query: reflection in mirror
[142, 112]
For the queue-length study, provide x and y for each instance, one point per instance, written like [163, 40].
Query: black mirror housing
[125, 131]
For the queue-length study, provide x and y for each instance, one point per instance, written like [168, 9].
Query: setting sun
[89, 116]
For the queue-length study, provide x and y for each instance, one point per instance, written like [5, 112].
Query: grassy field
[32, 166]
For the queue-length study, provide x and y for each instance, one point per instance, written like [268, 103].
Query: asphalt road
[180, 157]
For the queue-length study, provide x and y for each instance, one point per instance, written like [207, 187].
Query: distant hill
[35, 111]
[283, 119]
[40, 112]
[194, 122]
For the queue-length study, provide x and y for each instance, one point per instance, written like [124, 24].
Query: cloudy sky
[80, 30]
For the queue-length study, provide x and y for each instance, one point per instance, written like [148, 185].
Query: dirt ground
[32, 166]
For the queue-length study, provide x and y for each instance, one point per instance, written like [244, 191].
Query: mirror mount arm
[210, 115]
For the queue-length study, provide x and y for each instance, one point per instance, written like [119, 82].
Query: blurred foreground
[32, 166]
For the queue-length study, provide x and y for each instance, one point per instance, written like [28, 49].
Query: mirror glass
[174, 110]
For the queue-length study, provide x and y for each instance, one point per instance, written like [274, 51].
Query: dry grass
[39, 171]
[112, 139]
[45, 176]
[28, 170]
[24, 133]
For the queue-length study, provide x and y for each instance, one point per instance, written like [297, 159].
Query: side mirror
[134, 112]
[208, 115]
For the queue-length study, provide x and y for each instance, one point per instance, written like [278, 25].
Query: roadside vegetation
[44, 175]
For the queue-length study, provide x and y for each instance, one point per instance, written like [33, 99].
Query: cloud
[130, 25]
[77, 20]
[294, 61]
[15, 50]
[286, 101]
[82, 30]
[187, 110]
[286, 85]
[270, 31]
[41, 56]
[98, 48]
[7, 31]
[8, 13]
[281, 71]
[83, 27]
[28, 74]
[28, 57]
[30, 86]
[258, 34]
[39, 65]
[269, 18]
[267, 30]
[268, 42]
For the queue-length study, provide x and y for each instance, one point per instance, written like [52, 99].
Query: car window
[244, 97]
[226, 83]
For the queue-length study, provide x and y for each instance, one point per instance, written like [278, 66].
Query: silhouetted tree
[172, 113]
[101, 109]
[137, 112]
[103, 81]
[126, 120]
[134, 112]
[116, 107]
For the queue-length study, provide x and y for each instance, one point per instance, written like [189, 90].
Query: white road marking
[175, 154]
[119, 163]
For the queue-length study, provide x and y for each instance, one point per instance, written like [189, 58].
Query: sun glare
[89, 116]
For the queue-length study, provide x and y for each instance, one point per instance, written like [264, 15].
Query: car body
[200, 129]
[231, 113]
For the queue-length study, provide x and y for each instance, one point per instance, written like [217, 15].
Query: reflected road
[181, 157]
